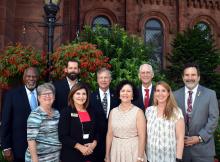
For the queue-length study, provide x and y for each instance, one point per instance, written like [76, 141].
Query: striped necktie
[105, 103]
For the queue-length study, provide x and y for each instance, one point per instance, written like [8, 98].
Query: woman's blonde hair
[171, 106]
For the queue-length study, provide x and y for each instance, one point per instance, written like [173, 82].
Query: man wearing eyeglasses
[146, 90]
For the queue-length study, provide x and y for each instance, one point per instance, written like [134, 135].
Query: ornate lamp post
[51, 7]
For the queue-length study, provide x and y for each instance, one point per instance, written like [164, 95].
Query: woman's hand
[107, 159]
[85, 150]
[91, 145]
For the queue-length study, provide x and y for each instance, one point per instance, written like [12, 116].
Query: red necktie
[189, 102]
[146, 98]
[189, 108]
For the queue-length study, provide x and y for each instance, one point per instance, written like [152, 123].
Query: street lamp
[51, 7]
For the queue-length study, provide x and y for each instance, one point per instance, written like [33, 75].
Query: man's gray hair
[45, 86]
[104, 69]
[149, 66]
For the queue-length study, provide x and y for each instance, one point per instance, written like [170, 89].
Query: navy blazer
[96, 105]
[102, 122]
[16, 109]
[139, 101]
[70, 132]
[62, 91]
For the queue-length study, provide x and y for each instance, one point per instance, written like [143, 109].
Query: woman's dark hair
[73, 90]
[122, 84]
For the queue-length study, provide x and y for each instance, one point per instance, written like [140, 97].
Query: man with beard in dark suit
[17, 106]
[146, 90]
[63, 86]
[102, 101]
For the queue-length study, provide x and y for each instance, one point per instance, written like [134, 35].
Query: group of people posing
[64, 121]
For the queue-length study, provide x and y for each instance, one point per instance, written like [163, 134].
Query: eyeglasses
[47, 94]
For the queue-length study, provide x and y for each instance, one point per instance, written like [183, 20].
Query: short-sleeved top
[161, 136]
[44, 130]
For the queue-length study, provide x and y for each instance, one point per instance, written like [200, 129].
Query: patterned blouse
[161, 136]
[44, 130]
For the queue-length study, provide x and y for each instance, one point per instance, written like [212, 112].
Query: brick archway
[91, 14]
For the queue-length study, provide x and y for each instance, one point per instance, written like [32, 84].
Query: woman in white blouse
[165, 127]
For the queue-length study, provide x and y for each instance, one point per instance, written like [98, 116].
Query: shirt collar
[143, 88]
[29, 92]
[101, 92]
[194, 89]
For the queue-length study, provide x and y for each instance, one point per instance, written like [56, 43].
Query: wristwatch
[200, 139]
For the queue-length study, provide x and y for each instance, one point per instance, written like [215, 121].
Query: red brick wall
[21, 18]
[7, 11]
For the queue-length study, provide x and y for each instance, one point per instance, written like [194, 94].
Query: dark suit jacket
[70, 133]
[62, 92]
[102, 122]
[139, 101]
[204, 120]
[16, 109]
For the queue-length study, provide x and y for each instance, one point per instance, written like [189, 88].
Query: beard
[72, 76]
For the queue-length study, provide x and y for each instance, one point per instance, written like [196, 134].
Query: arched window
[203, 26]
[154, 36]
[102, 21]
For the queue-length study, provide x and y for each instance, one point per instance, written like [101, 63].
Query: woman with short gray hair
[42, 128]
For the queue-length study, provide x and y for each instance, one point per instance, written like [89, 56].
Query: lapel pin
[199, 93]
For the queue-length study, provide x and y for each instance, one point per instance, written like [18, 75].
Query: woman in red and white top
[77, 128]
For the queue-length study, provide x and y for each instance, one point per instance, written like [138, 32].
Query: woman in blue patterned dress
[42, 128]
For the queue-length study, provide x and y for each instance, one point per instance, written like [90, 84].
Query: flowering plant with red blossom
[15, 59]
[89, 57]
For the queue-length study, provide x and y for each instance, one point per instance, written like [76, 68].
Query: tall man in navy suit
[63, 86]
[200, 109]
[146, 90]
[17, 106]
[102, 106]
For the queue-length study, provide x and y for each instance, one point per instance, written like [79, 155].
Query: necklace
[125, 110]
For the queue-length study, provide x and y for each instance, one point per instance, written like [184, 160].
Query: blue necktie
[33, 101]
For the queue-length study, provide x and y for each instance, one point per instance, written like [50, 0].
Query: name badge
[85, 136]
[74, 115]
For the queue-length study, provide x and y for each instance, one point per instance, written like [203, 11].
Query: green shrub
[126, 52]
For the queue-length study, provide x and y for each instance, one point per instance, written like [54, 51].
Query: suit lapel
[151, 96]
[182, 101]
[66, 85]
[25, 98]
[98, 101]
[197, 100]
[141, 97]
[111, 100]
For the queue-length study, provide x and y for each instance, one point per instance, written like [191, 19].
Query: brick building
[154, 20]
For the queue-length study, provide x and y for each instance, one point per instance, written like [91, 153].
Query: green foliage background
[127, 52]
